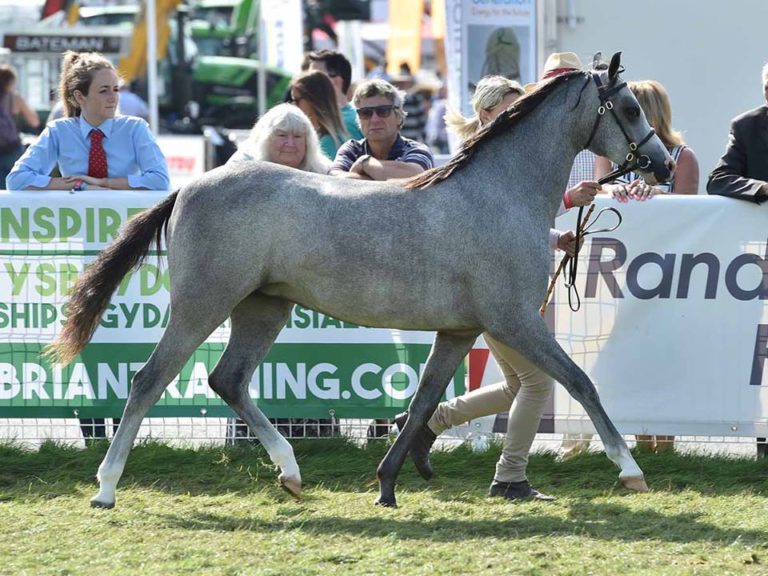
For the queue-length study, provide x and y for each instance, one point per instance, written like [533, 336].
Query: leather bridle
[632, 161]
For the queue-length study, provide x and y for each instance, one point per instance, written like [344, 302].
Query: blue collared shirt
[130, 147]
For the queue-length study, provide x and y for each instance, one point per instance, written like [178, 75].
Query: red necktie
[97, 159]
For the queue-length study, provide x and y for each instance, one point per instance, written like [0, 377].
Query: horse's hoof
[99, 504]
[290, 485]
[386, 502]
[636, 483]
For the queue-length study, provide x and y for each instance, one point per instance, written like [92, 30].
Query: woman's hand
[95, 183]
[583, 194]
[639, 190]
[567, 243]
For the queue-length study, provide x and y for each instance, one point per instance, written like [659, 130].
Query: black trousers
[95, 427]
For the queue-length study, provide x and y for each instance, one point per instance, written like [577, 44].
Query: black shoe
[420, 447]
[517, 491]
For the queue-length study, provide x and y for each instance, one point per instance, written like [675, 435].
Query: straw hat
[559, 62]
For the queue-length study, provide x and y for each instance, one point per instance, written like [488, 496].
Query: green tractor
[210, 76]
[226, 69]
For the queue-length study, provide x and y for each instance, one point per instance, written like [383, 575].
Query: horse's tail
[95, 286]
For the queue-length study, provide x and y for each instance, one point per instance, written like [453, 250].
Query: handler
[526, 388]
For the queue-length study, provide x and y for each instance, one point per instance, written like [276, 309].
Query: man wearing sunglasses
[382, 154]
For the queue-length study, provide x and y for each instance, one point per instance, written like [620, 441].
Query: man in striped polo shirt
[383, 153]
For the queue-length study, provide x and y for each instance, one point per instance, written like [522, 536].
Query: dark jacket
[743, 170]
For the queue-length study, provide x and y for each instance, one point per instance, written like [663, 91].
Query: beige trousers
[524, 382]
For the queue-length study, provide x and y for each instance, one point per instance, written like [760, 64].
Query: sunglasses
[380, 111]
[296, 100]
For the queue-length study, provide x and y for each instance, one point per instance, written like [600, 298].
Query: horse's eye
[633, 112]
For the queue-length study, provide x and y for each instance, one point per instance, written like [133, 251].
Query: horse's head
[620, 130]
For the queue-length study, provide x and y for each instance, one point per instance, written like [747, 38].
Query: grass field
[218, 511]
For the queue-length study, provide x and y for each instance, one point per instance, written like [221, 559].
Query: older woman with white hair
[284, 135]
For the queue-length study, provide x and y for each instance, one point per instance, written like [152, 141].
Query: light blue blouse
[131, 150]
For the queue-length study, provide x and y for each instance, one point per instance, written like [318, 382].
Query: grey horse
[459, 250]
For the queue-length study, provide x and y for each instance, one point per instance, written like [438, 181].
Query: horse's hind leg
[256, 322]
[185, 332]
[536, 344]
[447, 352]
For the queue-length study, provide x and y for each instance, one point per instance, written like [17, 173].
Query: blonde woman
[654, 101]
[526, 388]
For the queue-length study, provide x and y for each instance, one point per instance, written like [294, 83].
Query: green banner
[295, 380]
[318, 366]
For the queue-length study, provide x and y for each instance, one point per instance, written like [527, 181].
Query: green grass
[218, 511]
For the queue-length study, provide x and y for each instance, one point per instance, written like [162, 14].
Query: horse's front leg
[543, 350]
[447, 352]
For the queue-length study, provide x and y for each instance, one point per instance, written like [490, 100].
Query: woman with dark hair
[93, 145]
[12, 105]
[315, 95]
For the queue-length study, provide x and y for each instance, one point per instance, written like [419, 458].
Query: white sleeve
[554, 236]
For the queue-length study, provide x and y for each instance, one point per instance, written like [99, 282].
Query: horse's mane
[504, 121]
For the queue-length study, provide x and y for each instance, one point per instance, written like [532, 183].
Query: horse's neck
[534, 159]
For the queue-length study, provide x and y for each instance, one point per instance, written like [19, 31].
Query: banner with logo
[485, 37]
[319, 365]
[673, 325]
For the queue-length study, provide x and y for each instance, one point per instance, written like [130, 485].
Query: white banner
[673, 327]
[282, 23]
[185, 156]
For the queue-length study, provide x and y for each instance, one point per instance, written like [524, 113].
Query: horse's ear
[597, 59]
[615, 65]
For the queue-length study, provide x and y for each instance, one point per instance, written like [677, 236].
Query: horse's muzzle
[665, 171]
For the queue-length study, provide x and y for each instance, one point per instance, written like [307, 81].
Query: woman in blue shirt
[122, 156]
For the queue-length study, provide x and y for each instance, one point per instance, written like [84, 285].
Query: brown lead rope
[583, 229]
[563, 262]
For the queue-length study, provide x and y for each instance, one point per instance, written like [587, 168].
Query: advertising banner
[673, 326]
[185, 156]
[487, 37]
[319, 365]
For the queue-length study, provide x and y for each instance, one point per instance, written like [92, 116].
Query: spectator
[132, 104]
[656, 106]
[383, 154]
[743, 170]
[12, 104]
[435, 131]
[314, 93]
[339, 70]
[93, 146]
[524, 382]
[415, 106]
[284, 135]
